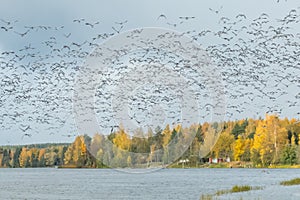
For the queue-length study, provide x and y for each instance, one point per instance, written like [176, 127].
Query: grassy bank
[235, 164]
[295, 181]
[245, 188]
[234, 189]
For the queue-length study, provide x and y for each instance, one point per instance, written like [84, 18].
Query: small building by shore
[218, 160]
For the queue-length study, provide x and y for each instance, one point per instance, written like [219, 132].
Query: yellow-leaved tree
[122, 140]
[269, 140]
[76, 153]
[223, 147]
[23, 158]
[239, 148]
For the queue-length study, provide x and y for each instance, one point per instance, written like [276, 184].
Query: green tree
[289, 155]
[6, 158]
[16, 155]
[239, 129]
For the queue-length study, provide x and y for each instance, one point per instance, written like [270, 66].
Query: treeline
[35, 155]
[261, 142]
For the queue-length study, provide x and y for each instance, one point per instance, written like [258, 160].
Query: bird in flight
[26, 135]
[22, 34]
[69, 135]
[91, 24]
[78, 20]
[67, 35]
[161, 16]
[121, 23]
[187, 17]
[216, 11]
[24, 128]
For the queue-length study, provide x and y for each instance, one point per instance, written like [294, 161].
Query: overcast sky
[138, 13]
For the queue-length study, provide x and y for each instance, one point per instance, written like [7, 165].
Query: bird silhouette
[161, 16]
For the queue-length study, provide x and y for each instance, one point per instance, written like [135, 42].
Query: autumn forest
[258, 142]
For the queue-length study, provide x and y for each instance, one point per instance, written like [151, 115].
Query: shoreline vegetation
[234, 189]
[248, 143]
[206, 165]
[295, 181]
[245, 188]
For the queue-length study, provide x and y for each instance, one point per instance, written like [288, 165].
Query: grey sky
[138, 14]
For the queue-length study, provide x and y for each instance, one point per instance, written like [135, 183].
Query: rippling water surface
[50, 183]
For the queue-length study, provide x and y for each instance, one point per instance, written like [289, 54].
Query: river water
[185, 184]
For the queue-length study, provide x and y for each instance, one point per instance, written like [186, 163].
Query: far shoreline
[229, 165]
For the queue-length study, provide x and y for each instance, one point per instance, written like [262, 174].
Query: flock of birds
[257, 59]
